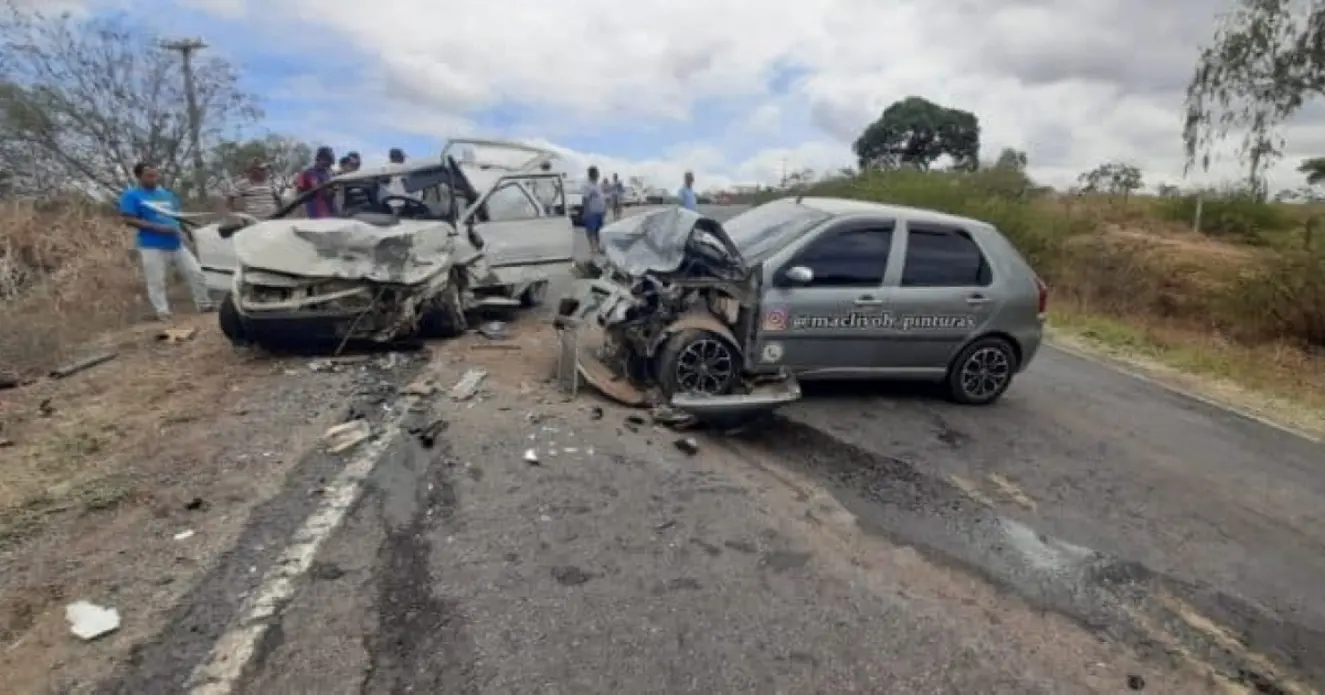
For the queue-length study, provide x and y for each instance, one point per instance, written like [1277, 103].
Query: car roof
[388, 170]
[847, 206]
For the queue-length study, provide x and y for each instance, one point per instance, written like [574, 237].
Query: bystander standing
[686, 194]
[321, 204]
[594, 210]
[254, 194]
[150, 209]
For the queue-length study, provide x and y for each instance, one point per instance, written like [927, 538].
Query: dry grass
[67, 273]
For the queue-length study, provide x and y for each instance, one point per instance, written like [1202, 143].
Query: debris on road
[45, 409]
[668, 416]
[493, 330]
[176, 335]
[531, 457]
[570, 575]
[10, 380]
[83, 364]
[1136, 683]
[468, 384]
[688, 446]
[184, 535]
[5, 443]
[596, 413]
[428, 434]
[494, 346]
[89, 621]
[196, 504]
[346, 435]
[420, 387]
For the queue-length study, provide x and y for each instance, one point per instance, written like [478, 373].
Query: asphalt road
[1090, 533]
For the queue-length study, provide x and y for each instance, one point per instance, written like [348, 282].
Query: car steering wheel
[408, 204]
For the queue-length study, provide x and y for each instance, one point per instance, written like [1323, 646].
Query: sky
[738, 91]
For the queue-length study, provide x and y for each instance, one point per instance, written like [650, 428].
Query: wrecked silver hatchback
[669, 316]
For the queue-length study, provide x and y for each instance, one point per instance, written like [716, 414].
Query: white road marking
[1114, 365]
[221, 672]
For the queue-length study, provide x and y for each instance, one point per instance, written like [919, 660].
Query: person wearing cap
[321, 204]
[254, 194]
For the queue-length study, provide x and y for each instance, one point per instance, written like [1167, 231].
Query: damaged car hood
[657, 242]
[408, 252]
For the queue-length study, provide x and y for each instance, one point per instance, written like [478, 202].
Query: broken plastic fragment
[346, 435]
[184, 535]
[531, 457]
[89, 621]
[468, 384]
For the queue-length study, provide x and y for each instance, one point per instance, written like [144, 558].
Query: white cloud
[1072, 82]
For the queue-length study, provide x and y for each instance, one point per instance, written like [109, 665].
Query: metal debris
[85, 363]
[468, 384]
[568, 357]
[429, 433]
[10, 380]
[89, 621]
[668, 416]
[688, 446]
[493, 330]
[531, 457]
[346, 435]
[183, 535]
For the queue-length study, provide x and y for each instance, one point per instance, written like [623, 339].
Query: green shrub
[1229, 213]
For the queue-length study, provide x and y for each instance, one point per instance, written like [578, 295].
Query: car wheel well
[1016, 346]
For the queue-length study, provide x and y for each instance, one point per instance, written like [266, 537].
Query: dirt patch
[124, 481]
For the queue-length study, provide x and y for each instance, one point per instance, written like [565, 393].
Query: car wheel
[445, 318]
[982, 372]
[232, 324]
[534, 295]
[699, 362]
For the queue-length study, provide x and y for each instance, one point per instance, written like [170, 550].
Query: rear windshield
[761, 231]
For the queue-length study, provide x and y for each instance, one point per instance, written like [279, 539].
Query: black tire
[232, 324]
[445, 318]
[994, 362]
[686, 345]
[534, 295]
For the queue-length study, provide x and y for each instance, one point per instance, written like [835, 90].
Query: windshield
[760, 231]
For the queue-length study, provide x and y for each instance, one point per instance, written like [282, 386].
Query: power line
[186, 48]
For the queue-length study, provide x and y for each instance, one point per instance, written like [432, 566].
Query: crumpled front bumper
[593, 305]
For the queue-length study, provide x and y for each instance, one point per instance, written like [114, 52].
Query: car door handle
[977, 299]
[867, 300]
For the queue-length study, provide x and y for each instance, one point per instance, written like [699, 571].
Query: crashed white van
[418, 245]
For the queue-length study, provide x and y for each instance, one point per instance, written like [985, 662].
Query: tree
[1314, 169]
[83, 99]
[916, 132]
[1264, 62]
[287, 156]
[1010, 159]
[1168, 190]
[1114, 178]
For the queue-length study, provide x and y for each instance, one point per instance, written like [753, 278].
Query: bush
[66, 274]
[1229, 213]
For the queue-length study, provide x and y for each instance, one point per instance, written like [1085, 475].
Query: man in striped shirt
[255, 195]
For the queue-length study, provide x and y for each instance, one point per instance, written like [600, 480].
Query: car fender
[700, 320]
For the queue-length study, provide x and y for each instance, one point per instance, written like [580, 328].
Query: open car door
[523, 233]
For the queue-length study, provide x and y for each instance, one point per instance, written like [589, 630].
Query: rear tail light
[1043, 291]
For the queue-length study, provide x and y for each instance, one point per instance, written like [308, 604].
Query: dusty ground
[108, 465]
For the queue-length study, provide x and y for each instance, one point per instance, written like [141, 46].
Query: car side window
[854, 257]
[939, 256]
[509, 202]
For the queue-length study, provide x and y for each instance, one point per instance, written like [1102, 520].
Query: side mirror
[800, 275]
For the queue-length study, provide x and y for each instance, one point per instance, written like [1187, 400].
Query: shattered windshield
[760, 231]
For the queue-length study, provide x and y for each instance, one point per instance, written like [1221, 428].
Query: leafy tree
[1264, 62]
[83, 99]
[1314, 169]
[1115, 178]
[916, 132]
[230, 158]
[1010, 159]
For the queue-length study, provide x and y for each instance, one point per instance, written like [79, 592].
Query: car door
[516, 228]
[942, 300]
[830, 324]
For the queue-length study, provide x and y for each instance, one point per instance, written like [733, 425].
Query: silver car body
[813, 288]
[893, 329]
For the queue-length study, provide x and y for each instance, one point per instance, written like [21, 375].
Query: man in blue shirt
[148, 208]
[686, 194]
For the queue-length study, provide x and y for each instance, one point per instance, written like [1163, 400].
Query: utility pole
[186, 48]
